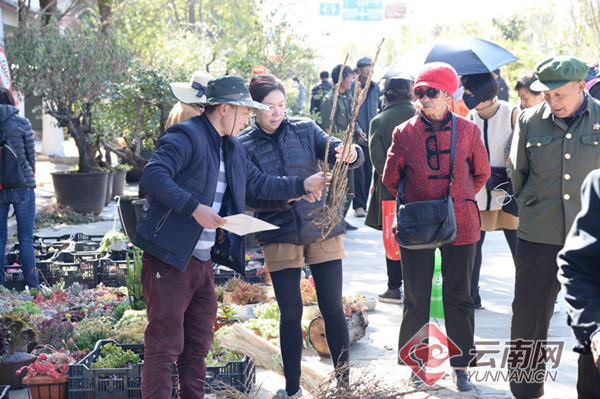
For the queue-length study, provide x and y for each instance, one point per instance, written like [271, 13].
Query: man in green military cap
[555, 145]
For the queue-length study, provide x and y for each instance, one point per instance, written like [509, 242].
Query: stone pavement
[374, 357]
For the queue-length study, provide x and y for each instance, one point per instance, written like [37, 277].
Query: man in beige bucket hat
[191, 95]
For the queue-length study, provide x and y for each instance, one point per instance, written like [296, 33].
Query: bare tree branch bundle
[267, 355]
[330, 214]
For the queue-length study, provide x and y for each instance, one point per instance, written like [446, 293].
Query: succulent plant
[246, 293]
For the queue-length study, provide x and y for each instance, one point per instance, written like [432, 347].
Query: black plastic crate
[122, 383]
[13, 278]
[4, 391]
[253, 277]
[113, 272]
[12, 258]
[221, 275]
[120, 255]
[76, 256]
[240, 375]
[125, 383]
[84, 272]
[87, 246]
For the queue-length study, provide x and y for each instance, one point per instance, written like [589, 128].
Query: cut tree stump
[357, 324]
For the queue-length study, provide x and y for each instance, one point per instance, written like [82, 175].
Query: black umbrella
[472, 55]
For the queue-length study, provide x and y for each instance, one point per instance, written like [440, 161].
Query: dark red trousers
[181, 309]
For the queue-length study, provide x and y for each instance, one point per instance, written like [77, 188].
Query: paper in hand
[242, 224]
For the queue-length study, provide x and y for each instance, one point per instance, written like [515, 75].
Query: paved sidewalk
[375, 355]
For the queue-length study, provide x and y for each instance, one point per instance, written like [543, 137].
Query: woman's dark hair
[335, 73]
[483, 85]
[525, 81]
[261, 85]
[397, 89]
[6, 97]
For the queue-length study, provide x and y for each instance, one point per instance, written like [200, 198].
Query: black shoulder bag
[11, 172]
[427, 224]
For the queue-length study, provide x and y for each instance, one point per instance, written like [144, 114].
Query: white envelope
[242, 224]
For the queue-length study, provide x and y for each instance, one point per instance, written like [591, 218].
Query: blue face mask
[470, 101]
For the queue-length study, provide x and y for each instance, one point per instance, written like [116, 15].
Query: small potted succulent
[267, 286]
[15, 336]
[226, 316]
[247, 296]
[47, 376]
[230, 285]
[219, 293]
[309, 298]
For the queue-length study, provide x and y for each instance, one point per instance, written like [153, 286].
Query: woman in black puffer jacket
[284, 146]
[18, 132]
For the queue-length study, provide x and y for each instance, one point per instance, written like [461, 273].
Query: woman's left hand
[350, 155]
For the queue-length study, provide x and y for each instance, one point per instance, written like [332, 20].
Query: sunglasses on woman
[429, 92]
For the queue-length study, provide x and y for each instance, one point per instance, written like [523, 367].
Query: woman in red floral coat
[420, 154]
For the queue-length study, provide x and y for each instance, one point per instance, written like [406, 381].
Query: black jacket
[181, 174]
[300, 146]
[18, 131]
[579, 266]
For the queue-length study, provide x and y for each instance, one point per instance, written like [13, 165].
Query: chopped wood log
[267, 355]
[357, 324]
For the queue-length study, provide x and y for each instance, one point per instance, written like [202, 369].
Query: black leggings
[328, 283]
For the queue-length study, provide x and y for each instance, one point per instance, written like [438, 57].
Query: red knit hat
[438, 75]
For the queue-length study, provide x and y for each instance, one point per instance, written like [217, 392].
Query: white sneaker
[360, 213]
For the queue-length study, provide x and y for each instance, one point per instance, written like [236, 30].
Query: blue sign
[329, 9]
[362, 10]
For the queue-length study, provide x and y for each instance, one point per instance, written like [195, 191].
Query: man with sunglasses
[555, 145]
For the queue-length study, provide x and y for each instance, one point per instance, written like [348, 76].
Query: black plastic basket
[113, 272]
[84, 272]
[221, 276]
[125, 383]
[240, 375]
[4, 391]
[14, 280]
[120, 255]
[122, 383]
[12, 258]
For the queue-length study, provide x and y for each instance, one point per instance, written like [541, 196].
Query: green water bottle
[436, 309]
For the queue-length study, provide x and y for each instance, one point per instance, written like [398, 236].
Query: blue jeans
[23, 202]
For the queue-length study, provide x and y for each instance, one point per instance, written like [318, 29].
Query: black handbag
[427, 224]
[498, 177]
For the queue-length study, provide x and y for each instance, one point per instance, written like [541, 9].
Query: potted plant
[309, 298]
[114, 241]
[230, 285]
[226, 316]
[247, 296]
[267, 285]
[72, 79]
[47, 376]
[219, 292]
[15, 336]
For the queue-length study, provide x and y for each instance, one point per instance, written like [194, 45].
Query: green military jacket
[549, 162]
[341, 120]
[382, 127]
[343, 112]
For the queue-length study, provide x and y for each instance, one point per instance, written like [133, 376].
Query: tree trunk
[49, 10]
[192, 12]
[357, 324]
[105, 10]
